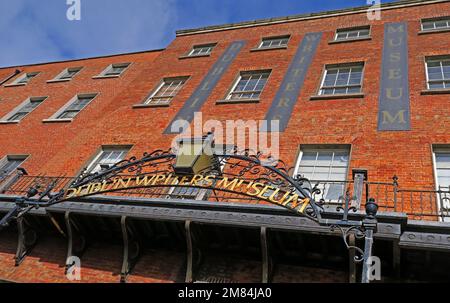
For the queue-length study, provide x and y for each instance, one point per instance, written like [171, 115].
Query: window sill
[268, 48]
[349, 40]
[58, 80]
[15, 84]
[195, 56]
[435, 91]
[237, 101]
[150, 105]
[434, 31]
[10, 122]
[106, 77]
[57, 120]
[341, 96]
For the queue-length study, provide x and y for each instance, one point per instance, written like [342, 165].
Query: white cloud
[38, 31]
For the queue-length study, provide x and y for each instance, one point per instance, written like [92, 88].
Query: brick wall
[64, 148]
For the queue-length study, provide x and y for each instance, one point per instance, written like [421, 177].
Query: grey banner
[201, 94]
[394, 105]
[287, 95]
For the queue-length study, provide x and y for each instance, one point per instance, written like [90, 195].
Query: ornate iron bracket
[194, 256]
[27, 240]
[131, 248]
[76, 241]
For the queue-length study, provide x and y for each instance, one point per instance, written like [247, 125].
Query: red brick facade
[64, 148]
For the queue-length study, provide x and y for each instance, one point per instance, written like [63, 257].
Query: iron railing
[418, 204]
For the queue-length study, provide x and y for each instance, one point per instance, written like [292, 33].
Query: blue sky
[38, 31]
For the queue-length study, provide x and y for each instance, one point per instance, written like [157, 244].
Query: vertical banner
[394, 104]
[287, 95]
[201, 94]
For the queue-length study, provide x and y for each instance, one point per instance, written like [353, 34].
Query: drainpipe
[16, 72]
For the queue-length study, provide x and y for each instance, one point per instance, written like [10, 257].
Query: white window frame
[434, 20]
[324, 147]
[436, 149]
[103, 74]
[342, 66]
[107, 148]
[18, 108]
[260, 46]
[239, 78]
[23, 76]
[211, 47]
[149, 99]
[6, 158]
[436, 59]
[66, 70]
[55, 116]
[350, 30]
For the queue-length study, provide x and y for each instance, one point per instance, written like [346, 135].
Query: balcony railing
[418, 204]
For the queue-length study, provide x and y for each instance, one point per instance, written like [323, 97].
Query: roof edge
[82, 59]
[293, 18]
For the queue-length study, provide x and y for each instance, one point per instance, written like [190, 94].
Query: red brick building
[349, 92]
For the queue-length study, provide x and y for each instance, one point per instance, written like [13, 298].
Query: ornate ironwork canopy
[231, 176]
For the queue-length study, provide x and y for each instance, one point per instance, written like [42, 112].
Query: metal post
[370, 226]
[352, 254]
[367, 255]
[359, 176]
[266, 263]
[190, 253]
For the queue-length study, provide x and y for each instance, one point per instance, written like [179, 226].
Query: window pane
[68, 115]
[436, 85]
[338, 91]
[324, 158]
[330, 78]
[10, 166]
[428, 25]
[343, 76]
[252, 83]
[352, 34]
[17, 117]
[441, 24]
[364, 32]
[442, 160]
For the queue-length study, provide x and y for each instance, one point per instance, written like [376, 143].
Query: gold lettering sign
[262, 191]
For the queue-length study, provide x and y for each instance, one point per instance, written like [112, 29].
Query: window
[201, 50]
[24, 79]
[352, 33]
[68, 73]
[442, 167]
[326, 165]
[9, 164]
[107, 158]
[165, 92]
[342, 79]
[436, 24]
[75, 106]
[24, 109]
[114, 70]
[274, 42]
[442, 159]
[438, 73]
[249, 85]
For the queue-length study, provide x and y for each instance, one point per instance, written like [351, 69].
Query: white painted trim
[19, 107]
[102, 74]
[58, 77]
[55, 116]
